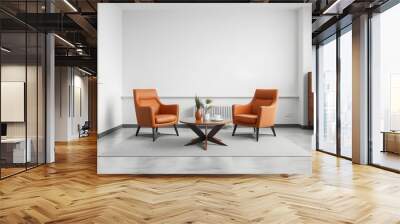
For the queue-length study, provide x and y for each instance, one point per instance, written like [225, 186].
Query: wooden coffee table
[205, 137]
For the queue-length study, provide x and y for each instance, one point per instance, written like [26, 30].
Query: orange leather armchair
[150, 112]
[259, 113]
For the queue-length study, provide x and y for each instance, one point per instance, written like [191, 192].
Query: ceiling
[75, 21]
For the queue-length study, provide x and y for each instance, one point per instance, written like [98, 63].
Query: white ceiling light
[70, 5]
[337, 7]
[65, 41]
[84, 71]
[5, 50]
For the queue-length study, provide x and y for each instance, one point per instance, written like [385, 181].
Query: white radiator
[224, 110]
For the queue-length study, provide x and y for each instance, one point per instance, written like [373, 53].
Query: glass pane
[327, 96]
[346, 93]
[385, 83]
[13, 88]
[31, 100]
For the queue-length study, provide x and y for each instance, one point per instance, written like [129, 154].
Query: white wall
[212, 50]
[220, 51]
[81, 108]
[61, 111]
[304, 59]
[109, 65]
[69, 112]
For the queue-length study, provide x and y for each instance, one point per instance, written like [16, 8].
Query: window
[394, 102]
[346, 94]
[327, 96]
[334, 106]
[385, 89]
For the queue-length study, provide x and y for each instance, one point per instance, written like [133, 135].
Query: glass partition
[13, 110]
[385, 89]
[346, 94]
[327, 96]
[22, 88]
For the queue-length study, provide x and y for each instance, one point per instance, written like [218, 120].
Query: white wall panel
[223, 51]
[109, 65]
[213, 50]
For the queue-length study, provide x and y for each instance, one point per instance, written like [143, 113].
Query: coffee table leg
[206, 139]
[198, 132]
[206, 136]
[213, 132]
[195, 141]
[216, 141]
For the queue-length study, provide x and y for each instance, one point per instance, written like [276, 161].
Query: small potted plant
[199, 106]
[207, 108]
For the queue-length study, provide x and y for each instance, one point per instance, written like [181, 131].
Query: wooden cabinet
[391, 142]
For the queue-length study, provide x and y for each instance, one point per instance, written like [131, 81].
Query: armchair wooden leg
[137, 130]
[273, 131]
[154, 134]
[257, 133]
[176, 130]
[234, 130]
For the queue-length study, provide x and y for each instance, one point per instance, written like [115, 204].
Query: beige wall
[34, 126]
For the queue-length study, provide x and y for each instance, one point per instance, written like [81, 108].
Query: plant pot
[198, 115]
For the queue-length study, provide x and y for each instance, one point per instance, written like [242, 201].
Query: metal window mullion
[369, 89]
[317, 97]
[26, 88]
[338, 95]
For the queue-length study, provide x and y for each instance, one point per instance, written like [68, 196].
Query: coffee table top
[192, 120]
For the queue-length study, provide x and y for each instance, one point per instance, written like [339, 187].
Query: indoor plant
[207, 107]
[199, 106]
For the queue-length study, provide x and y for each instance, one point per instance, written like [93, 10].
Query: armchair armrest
[169, 109]
[241, 109]
[266, 116]
[145, 116]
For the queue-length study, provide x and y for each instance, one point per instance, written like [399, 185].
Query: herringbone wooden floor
[69, 191]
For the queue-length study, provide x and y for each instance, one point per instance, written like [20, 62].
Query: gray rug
[289, 142]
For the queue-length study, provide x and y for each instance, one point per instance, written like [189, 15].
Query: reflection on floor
[10, 171]
[387, 159]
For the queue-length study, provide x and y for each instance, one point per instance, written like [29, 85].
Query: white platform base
[204, 165]
[124, 153]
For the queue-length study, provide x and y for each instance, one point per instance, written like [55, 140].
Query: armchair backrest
[146, 98]
[263, 97]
